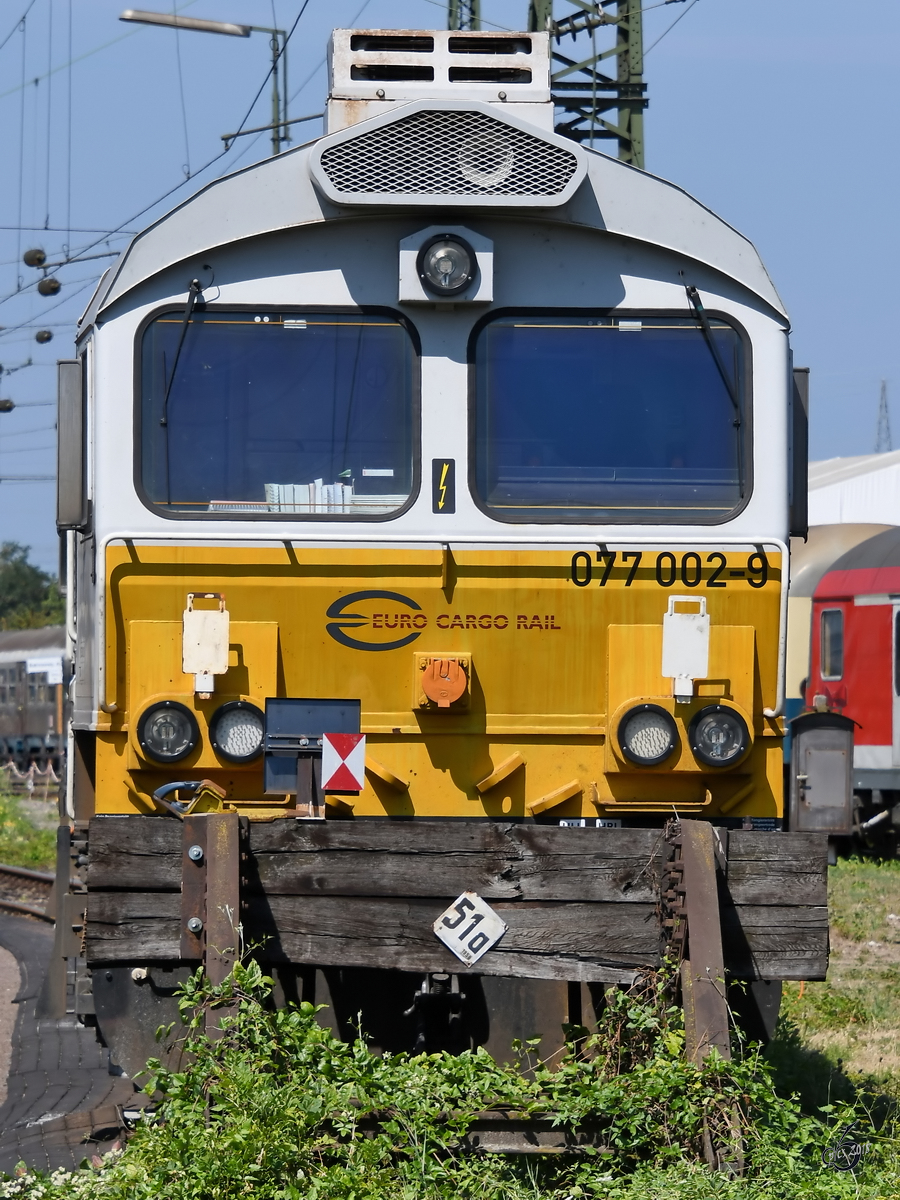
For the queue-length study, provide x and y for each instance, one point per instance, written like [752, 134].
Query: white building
[864, 489]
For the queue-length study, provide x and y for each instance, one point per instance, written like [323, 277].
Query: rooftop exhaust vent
[371, 70]
[459, 154]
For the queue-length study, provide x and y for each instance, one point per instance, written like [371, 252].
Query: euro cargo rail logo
[342, 620]
[403, 617]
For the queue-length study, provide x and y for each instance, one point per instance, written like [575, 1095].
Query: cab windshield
[585, 419]
[269, 413]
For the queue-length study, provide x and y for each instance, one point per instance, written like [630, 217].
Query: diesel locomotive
[429, 526]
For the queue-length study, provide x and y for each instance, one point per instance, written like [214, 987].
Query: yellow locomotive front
[556, 703]
[468, 440]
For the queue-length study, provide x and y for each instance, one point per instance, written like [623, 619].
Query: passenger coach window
[608, 420]
[832, 656]
[271, 413]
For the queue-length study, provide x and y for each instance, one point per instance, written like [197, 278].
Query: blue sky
[781, 115]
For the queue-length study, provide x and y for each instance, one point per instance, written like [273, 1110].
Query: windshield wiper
[697, 304]
[193, 292]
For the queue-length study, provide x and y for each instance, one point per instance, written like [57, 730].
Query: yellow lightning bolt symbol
[442, 486]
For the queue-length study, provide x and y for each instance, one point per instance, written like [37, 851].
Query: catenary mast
[593, 105]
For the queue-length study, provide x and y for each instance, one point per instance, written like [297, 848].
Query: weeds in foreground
[21, 844]
[277, 1108]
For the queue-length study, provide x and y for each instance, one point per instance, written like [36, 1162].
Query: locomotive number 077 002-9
[690, 569]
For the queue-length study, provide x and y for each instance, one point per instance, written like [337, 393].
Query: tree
[29, 597]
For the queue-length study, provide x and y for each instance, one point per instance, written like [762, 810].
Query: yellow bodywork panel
[556, 644]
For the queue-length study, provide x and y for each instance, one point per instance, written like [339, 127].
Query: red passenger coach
[855, 668]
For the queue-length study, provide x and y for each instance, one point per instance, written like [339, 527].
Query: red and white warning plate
[343, 762]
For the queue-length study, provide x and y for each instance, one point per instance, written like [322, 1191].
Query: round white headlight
[168, 732]
[718, 736]
[446, 265]
[647, 735]
[236, 731]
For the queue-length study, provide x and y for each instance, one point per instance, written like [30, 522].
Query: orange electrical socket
[442, 682]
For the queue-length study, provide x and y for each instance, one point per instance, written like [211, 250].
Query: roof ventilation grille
[371, 70]
[455, 153]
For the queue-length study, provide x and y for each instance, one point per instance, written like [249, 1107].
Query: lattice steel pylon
[581, 90]
[883, 428]
[464, 14]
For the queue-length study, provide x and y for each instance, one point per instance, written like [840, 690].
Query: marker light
[718, 736]
[168, 732]
[647, 735]
[446, 265]
[236, 731]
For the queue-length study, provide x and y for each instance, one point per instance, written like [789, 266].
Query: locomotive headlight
[647, 735]
[446, 265]
[236, 731]
[168, 732]
[718, 736]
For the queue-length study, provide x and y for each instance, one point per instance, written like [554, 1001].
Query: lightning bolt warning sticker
[443, 485]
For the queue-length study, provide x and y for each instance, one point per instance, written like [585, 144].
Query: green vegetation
[849, 1027]
[21, 844]
[278, 1109]
[29, 597]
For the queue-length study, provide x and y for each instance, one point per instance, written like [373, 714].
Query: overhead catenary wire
[215, 158]
[22, 28]
[20, 291]
[184, 122]
[17, 24]
[81, 57]
[69, 135]
[309, 78]
[4, 436]
[62, 229]
[49, 113]
[50, 308]
[680, 17]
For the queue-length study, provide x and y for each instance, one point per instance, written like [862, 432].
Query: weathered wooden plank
[365, 873]
[440, 837]
[363, 931]
[140, 852]
[565, 941]
[771, 942]
[499, 861]
[797, 851]
[752, 883]
[133, 926]
[624, 863]
[777, 868]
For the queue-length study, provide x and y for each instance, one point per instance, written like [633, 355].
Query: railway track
[23, 890]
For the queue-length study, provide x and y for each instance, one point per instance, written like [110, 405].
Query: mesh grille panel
[444, 153]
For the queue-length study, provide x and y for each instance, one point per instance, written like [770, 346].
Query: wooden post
[211, 897]
[223, 900]
[703, 978]
[703, 971]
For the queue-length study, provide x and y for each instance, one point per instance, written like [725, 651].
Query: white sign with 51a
[470, 927]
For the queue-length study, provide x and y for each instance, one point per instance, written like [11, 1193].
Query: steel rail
[27, 873]
[29, 909]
